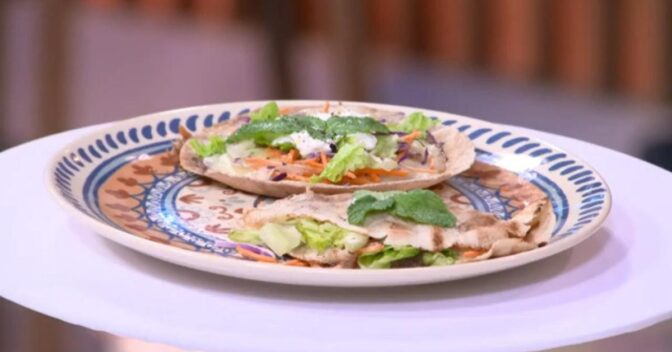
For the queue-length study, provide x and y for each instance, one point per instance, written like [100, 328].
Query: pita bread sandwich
[332, 149]
[395, 229]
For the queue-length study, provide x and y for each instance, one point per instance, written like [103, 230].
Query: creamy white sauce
[220, 163]
[321, 115]
[304, 143]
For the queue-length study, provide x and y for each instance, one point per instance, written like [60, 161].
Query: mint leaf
[264, 132]
[365, 205]
[344, 125]
[424, 207]
[270, 111]
[419, 206]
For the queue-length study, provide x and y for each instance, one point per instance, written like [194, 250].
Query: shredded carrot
[290, 157]
[351, 175]
[184, 132]
[298, 177]
[284, 111]
[361, 180]
[261, 162]
[371, 247]
[273, 153]
[409, 138]
[295, 262]
[374, 177]
[311, 163]
[472, 253]
[419, 169]
[383, 172]
[254, 256]
[323, 158]
[325, 108]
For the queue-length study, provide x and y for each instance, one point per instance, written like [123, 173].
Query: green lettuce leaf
[265, 132]
[281, 239]
[245, 236]
[416, 121]
[386, 146]
[319, 236]
[383, 259]
[445, 257]
[352, 241]
[419, 206]
[344, 125]
[270, 111]
[324, 235]
[349, 157]
[215, 145]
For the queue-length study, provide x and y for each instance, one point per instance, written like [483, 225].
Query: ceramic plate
[125, 183]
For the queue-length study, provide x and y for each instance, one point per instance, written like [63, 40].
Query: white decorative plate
[125, 183]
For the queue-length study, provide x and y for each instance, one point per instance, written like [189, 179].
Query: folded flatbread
[421, 163]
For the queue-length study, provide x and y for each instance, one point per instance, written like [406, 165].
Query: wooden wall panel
[448, 30]
[511, 38]
[389, 24]
[644, 40]
[577, 43]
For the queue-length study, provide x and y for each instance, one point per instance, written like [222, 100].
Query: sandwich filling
[336, 145]
[373, 230]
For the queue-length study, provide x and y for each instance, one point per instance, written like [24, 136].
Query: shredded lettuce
[384, 258]
[270, 111]
[321, 236]
[349, 157]
[382, 163]
[215, 145]
[420, 206]
[444, 257]
[352, 241]
[281, 239]
[368, 141]
[318, 236]
[416, 121]
[242, 149]
[386, 146]
[245, 236]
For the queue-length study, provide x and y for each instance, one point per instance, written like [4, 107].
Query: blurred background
[597, 70]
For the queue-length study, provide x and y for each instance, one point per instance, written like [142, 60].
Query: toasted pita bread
[458, 150]
[529, 228]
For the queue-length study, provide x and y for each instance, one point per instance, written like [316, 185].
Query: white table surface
[615, 282]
